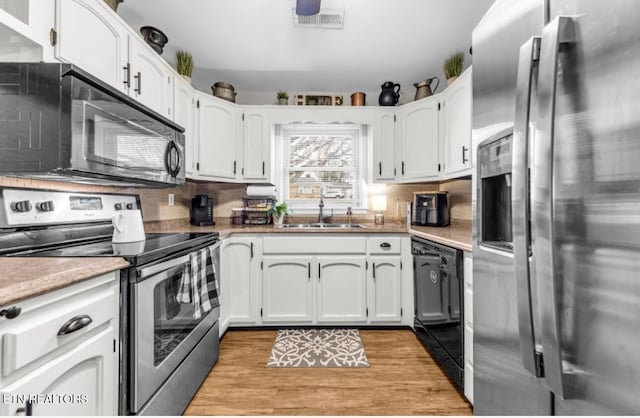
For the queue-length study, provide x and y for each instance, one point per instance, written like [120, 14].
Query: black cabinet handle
[464, 154]
[402, 168]
[380, 168]
[263, 168]
[318, 271]
[74, 324]
[11, 312]
[127, 74]
[309, 271]
[385, 245]
[234, 166]
[251, 249]
[139, 78]
[27, 410]
[373, 265]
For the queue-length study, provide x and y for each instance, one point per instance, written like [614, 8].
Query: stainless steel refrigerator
[556, 244]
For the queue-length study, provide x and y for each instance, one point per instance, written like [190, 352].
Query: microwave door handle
[528, 60]
[558, 33]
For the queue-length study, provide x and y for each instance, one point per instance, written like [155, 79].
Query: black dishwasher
[438, 296]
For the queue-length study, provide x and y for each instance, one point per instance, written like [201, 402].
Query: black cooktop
[154, 247]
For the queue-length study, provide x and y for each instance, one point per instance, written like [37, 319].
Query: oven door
[164, 330]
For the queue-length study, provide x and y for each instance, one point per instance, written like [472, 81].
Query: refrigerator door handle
[528, 61]
[555, 36]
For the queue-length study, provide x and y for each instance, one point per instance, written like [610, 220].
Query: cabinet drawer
[384, 245]
[314, 245]
[35, 332]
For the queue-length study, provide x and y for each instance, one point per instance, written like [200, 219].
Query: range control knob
[118, 206]
[129, 205]
[21, 206]
[45, 206]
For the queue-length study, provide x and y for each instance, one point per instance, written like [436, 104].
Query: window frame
[358, 132]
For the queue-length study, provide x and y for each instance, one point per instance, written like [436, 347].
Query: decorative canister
[358, 99]
[224, 91]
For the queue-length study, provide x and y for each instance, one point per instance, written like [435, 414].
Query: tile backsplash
[155, 205]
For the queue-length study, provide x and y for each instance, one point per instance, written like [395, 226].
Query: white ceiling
[253, 45]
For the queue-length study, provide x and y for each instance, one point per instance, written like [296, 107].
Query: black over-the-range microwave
[57, 122]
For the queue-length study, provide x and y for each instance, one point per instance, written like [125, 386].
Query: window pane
[320, 151]
[306, 184]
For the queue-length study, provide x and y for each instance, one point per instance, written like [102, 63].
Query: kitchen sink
[321, 226]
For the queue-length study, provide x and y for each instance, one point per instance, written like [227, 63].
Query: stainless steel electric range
[167, 348]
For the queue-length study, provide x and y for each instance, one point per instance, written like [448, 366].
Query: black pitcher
[390, 94]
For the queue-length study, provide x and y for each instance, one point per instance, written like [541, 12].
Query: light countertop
[25, 277]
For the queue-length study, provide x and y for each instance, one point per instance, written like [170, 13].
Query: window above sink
[315, 156]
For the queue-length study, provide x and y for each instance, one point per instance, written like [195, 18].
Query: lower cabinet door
[80, 381]
[286, 289]
[385, 296]
[342, 289]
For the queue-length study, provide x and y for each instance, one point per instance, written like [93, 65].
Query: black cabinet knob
[21, 206]
[45, 206]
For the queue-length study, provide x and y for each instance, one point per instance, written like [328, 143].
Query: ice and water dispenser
[494, 157]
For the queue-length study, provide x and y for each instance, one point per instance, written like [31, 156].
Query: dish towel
[199, 282]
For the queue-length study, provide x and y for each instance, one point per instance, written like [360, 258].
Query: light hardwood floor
[402, 379]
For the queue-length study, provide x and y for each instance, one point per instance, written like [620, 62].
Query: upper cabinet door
[457, 126]
[384, 147]
[217, 122]
[183, 114]
[151, 81]
[91, 36]
[419, 140]
[256, 146]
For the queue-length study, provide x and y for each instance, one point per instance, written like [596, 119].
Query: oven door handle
[171, 263]
[164, 266]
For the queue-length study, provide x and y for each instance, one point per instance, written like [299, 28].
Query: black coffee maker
[202, 210]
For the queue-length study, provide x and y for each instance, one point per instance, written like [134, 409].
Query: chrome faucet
[321, 217]
[349, 213]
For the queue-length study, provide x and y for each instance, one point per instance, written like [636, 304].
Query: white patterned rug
[318, 348]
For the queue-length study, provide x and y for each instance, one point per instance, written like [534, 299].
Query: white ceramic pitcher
[127, 226]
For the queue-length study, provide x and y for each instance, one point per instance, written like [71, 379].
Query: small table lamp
[379, 204]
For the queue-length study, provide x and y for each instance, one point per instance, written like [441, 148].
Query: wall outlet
[171, 199]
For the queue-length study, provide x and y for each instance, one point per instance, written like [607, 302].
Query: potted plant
[283, 97]
[278, 211]
[184, 63]
[453, 67]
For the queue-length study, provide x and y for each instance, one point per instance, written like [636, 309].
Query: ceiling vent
[326, 19]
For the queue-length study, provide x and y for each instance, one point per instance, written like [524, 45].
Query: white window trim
[281, 161]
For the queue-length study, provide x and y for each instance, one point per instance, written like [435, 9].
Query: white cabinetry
[184, 105]
[385, 279]
[468, 326]
[239, 281]
[256, 146]
[287, 289]
[341, 295]
[42, 353]
[330, 279]
[217, 122]
[384, 147]
[25, 27]
[419, 141]
[385, 297]
[456, 118]
[91, 36]
[150, 77]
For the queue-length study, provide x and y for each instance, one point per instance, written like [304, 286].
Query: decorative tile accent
[318, 348]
